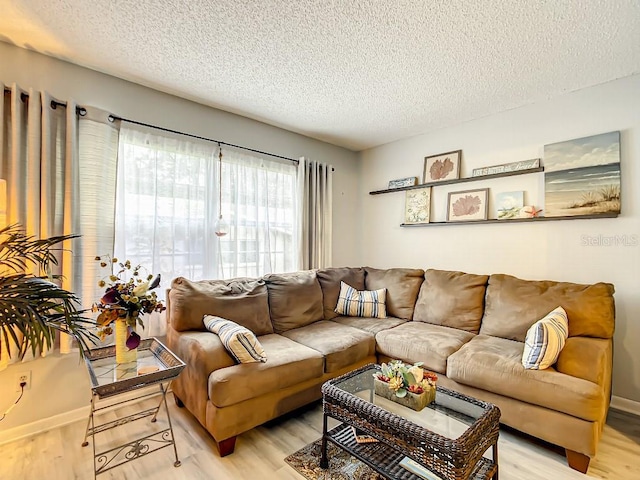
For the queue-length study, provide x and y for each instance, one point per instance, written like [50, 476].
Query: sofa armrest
[587, 358]
[202, 352]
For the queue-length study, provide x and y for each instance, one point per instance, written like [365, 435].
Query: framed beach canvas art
[509, 204]
[417, 206]
[468, 205]
[582, 176]
[444, 166]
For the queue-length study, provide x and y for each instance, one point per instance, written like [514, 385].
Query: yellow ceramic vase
[123, 354]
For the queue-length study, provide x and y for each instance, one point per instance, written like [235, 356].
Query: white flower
[141, 289]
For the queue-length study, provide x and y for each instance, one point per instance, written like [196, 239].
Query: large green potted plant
[32, 305]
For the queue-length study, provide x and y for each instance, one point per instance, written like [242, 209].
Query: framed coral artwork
[468, 205]
[444, 166]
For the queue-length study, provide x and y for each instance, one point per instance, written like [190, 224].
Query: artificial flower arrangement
[403, 378]
[127, 297]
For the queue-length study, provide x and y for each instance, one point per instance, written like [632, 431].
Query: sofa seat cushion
[288, 363]
[422, 342]
[494, 364]
[373, 325]
[341, 345]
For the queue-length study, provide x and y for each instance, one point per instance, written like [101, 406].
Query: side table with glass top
[156, 366]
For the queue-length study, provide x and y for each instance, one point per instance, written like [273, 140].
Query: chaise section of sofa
[578, 386]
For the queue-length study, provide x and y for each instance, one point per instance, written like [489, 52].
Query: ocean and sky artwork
[509, 204]
[582, 176]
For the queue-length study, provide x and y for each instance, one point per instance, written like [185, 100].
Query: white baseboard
[625, 405]
[43, 425]
[66, 418]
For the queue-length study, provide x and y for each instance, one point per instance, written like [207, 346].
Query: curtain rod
[219, 142]
[54, 103]
[82, 112]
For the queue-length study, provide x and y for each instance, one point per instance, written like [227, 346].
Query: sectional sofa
[468, 328]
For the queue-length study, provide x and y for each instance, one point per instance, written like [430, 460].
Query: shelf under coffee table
[450, 437]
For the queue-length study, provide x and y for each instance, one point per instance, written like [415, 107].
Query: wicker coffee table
[449, 437]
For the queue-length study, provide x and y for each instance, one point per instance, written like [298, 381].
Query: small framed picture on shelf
[444, 166]
[468, 205]
[417, 206]
[509, 204]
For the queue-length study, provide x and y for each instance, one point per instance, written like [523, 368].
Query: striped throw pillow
[239, 341]
[361, 303]
[545, 340]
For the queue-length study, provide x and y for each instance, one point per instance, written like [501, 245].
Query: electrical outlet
[24, 377]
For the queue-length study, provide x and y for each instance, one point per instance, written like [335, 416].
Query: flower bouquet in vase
[409, 385]
[128, 296]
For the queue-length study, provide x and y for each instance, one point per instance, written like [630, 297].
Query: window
[167, 205]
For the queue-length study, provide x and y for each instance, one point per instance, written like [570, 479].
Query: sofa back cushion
[330, 279]
[295, 299]
[512, 305]
[402, 284]
[451, 299]
[242, 300]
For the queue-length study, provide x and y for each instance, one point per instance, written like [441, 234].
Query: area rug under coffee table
[342, 466]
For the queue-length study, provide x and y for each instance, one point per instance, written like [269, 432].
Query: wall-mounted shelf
[514, 220]
[460, 180]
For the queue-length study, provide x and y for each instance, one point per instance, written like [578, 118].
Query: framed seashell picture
[444, 166]
[468, 205]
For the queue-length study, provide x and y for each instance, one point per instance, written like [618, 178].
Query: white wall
[59, 383]
[545, 250]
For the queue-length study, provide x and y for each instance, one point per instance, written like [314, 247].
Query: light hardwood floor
[260, 453]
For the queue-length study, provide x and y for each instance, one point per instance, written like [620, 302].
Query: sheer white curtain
[167, 205]
[60, 173]
[258, 201]
[315, 203]
[166, 208]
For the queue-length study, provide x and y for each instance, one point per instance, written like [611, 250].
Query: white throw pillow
[361, 303]
[545, 340]
[239, 341]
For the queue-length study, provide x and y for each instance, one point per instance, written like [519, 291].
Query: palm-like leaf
[18, 250]
[31, 305]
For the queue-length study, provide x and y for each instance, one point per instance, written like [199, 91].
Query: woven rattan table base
[386, 460]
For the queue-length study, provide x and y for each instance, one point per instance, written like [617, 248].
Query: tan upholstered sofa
[468, 328]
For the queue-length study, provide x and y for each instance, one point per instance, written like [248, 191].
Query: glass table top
[450, 415]
[155, 363]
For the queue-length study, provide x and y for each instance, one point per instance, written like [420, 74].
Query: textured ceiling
[356, 73]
